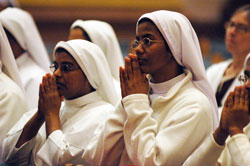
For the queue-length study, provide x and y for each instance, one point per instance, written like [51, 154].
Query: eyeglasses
[65, 67]
[243, 78]
[240, 28]
[146, 42]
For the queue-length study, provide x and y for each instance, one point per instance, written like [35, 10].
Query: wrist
[235, 130]
[220, 135]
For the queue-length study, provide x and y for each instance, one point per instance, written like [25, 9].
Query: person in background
[165, 116]
[55, 136]
[12, 101]
[230, 141]
[223, 76]
[8, 3]
[29, 51]
[102, 34]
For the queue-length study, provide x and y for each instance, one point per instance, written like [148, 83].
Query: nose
[139, 50]
[232, 30]
[57, 72]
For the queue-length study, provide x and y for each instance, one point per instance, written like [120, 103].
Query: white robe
[236, 152]
[12, 104]
[164, 133]
[31, 75]
[79, 120]
[215, 74]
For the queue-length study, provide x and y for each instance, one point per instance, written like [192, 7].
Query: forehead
[240, 17]
[147, 27]
[63, 56]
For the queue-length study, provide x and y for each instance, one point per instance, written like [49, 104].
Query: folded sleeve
[239, 149]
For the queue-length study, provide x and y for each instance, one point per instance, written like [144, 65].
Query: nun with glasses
[168, 107]
[102, 34]
[55, 135]
[29, 50]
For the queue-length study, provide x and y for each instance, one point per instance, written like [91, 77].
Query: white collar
[83, 100]
[163, 87]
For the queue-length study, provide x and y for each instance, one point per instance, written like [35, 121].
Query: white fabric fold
[103, 35]
[7, 60]
[22, 26]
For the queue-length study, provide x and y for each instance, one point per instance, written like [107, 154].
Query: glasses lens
[243, 79]
[146, 42]
[135, 43]
[52, 68]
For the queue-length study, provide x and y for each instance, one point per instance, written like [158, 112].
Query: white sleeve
[9, 153]
[69, 144]
[239, 149]
[206, 155]
[12, 107]
[106, 148]
[169, 142]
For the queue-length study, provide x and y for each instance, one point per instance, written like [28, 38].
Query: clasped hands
[132, 80]
[49, 99]
[235, 115]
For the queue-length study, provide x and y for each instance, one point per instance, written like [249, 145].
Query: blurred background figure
[223, 76]
[12, 101]
[8, 3]
[102, 34]
[28, 49]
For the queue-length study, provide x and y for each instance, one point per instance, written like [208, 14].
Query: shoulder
[218, 66]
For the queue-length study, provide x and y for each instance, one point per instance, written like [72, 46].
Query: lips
[59, 85]
[142, 61]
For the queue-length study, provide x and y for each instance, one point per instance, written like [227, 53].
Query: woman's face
[236, 42]
[155, 58]
[77, 33]
[70, 79]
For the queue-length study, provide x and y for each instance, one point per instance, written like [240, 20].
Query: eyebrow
[145, 36]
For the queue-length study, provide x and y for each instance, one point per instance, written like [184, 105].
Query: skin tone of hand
[50, 103]
[48, 111]
[221, 133]
[133, 81]
[238, 115]
[235, 115]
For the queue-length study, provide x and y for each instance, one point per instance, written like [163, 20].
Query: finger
[242, 95]
[229, 101]
[52, 83]
[246, 100]
[135, 66]
[123, 92]
[45, 84]
[128, 68]
[237, 92]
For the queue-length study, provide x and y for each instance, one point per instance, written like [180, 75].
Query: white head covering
[94, 65]
[184, 45]
[7, 61]
[22, 26]
[246, 61]
[102, 34]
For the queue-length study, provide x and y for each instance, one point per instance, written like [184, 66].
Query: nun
[12, 101]
[168, 107]
[102, 34]
[29, 50]
[54, 135]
